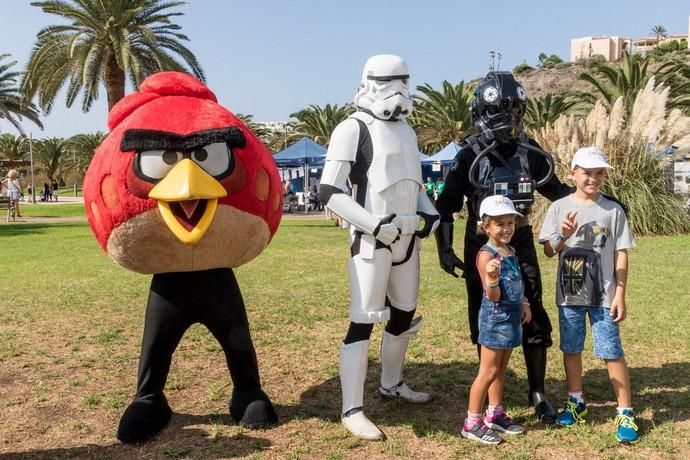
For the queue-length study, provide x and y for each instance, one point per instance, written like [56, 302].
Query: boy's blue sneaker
[573, 413]
[626, 428]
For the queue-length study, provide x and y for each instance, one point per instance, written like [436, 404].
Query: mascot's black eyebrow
[147, 139]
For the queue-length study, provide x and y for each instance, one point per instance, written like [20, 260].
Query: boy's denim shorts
[605, 333]
[500, 327]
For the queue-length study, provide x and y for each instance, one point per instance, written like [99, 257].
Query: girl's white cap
[497, 205]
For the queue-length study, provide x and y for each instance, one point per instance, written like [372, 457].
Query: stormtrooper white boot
[353, 372]
[393, 349]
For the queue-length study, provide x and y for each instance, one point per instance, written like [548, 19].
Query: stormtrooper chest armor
[394, 178]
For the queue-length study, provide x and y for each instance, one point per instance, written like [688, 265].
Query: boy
[591, 235]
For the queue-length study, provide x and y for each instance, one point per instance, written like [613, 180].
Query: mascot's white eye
[215, 159]
[521, 93]
[156, 164]
[490, 94]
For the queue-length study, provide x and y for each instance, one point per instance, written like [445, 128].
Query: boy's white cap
[590, 158]
[497, 205]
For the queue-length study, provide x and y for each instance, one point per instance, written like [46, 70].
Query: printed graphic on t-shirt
[593, 234]
[573, 275]
[579, 282]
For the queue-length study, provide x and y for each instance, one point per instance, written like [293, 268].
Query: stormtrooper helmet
[498, 107]
[384, 91]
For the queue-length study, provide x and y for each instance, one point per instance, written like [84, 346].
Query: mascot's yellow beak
[187, 200]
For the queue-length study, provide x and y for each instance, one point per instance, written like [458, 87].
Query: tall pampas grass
[641, 177]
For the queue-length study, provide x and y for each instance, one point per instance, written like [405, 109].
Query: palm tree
[79, 151]
[546, 109]
[318, 123]
[659, 32]
[13, 147]
[277, 140]
[12, 105]
[50, 153]
[442, 116]
[612, 80]
[257, 128]
[105, 42]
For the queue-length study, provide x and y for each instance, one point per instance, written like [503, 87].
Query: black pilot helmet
[498, 107]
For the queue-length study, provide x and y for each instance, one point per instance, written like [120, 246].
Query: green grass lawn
[71, 323]
[52, 210]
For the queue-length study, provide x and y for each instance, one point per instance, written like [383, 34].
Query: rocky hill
[557, 80]
[562, 78]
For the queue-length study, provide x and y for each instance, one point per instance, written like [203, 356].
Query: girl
[504, 308]
[14, 189]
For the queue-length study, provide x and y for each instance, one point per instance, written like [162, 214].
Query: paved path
[63, 199]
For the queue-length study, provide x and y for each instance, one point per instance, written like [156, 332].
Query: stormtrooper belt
[407, 224]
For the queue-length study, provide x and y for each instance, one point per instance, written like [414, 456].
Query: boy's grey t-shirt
[586, 270]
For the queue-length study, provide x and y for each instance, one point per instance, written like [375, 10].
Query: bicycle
[12, 211]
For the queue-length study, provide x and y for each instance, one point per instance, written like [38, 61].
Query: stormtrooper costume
[376, 151]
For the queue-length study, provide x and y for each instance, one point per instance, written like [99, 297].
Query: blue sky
[270, 58]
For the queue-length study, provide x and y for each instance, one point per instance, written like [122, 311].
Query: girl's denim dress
[500, 323]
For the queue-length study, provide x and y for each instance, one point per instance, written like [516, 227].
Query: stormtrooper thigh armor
[374, 276]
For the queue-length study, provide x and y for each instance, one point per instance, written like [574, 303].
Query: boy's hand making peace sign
[569, 224]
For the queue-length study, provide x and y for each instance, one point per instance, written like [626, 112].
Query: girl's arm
[489, 268]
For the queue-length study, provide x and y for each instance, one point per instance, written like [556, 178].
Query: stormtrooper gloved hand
[386, 231]
[431, 222]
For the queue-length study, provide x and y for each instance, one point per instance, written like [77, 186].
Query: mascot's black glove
[444, 243]
[430, 223]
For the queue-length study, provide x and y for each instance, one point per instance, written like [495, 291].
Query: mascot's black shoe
[543, 409]
[252, 408]
[143, 419]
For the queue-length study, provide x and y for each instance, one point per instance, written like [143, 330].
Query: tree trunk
[114, 82]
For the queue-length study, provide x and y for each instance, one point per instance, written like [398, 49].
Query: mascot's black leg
[226, 318]
[164, 326]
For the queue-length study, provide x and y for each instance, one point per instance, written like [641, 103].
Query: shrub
[667, 47]
[639, 177]
[548, 62]
[522, 68]
[592, 60]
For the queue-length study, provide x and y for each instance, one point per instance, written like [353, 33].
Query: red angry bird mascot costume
[182, 189]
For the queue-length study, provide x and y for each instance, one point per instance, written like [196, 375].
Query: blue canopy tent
[441, 159]
[445, 156]
[306, 154]
[303, 152]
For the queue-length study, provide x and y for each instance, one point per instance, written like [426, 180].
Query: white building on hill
[613, 47]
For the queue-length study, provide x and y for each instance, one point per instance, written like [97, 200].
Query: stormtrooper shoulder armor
[344, 141]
